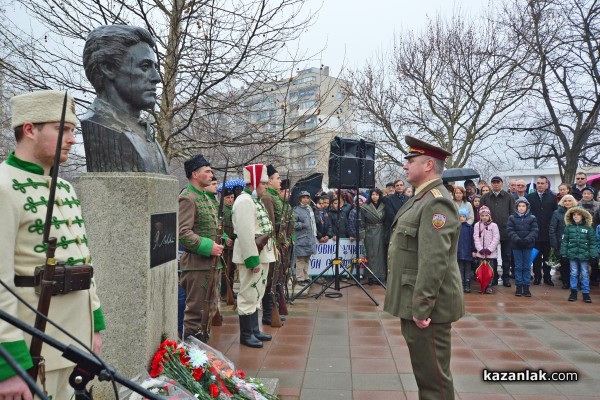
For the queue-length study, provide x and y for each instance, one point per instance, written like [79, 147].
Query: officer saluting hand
[424, 285]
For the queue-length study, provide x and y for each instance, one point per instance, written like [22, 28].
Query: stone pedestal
[139, 302]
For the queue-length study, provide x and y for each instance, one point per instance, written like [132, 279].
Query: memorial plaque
[163, 238]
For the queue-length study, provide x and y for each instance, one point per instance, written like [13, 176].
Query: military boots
[247, 337]
[256, 329]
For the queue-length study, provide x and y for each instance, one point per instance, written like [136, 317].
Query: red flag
[484, 274]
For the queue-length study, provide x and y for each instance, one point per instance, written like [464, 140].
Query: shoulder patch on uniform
[438, 220]
[436, 193]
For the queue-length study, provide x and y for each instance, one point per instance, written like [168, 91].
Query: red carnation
[168, 343]
[156, 371]
[197, 373]
[183, 357]
[240, 374]
[214, 390]
[156, 366]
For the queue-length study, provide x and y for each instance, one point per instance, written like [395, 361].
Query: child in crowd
[466, 248]
[487, 239]
[522, 230]
[476, 202]
[579, 246]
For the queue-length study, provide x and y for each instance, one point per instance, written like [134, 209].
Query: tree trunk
[165, 115]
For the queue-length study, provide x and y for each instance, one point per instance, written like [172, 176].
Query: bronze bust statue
[120, 63]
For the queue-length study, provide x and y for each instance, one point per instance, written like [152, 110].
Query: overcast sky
[352, 31]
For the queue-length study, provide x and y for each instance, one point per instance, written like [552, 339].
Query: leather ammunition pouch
[67, 278]
[261, 241]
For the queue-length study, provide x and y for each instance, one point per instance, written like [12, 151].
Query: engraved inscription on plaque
[163, 238]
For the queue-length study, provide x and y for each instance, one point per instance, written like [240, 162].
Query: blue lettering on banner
[326, 252]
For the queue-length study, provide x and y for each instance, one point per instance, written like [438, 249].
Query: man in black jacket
[324, 229]
[501, 205]
[543, 203]
[393, 203]
[579, 185]
[338, 218]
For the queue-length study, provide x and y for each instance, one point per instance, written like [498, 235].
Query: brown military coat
[423, 276]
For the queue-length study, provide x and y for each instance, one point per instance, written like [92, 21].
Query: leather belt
[24, 281]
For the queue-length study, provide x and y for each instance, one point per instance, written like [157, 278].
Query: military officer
[198, 222]
[253, 228]
[24, 193]
[424, 285]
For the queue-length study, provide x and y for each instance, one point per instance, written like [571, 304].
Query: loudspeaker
[367, 170]
[344, 164]
[351, 164]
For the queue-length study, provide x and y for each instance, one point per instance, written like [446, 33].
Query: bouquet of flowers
[160, 385]
[204, 372]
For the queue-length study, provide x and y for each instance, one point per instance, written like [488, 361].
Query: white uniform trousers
[252, 288]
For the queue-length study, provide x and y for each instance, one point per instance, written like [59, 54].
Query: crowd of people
[366, 216]
[530, 225]
[502, 226]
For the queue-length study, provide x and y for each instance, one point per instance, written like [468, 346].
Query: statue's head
[119, 60]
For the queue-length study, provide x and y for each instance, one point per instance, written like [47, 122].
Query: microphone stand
[87, 366]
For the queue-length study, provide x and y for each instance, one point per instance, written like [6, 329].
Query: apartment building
[301, 114]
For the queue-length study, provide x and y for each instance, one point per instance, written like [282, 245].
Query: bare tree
[564, 36]
[204, 48]
[453, 85]
[535, 147]
[283, 122]
[6, 136]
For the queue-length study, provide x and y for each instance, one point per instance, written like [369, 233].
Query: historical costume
[253, 228]
[274, 205]
[24, 194]
[197, 232]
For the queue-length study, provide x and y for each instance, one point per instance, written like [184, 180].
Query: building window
[307, 92]
[305, 105]
[305, 79]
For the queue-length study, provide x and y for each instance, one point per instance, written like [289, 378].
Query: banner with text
[326, 252]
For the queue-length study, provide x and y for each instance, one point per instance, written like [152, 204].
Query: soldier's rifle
[47, 281]
[275, 316]
[212, 292]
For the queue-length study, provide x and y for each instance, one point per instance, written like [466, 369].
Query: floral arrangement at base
[204, 372]
[160, 385]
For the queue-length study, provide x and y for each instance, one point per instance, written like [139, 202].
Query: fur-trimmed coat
[578, 240]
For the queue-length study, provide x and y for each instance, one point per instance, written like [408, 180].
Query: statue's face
[136, 79]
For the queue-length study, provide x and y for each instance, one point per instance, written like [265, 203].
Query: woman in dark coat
[372, 215]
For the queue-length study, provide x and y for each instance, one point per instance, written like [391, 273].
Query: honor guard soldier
[229, 274]
[274, 205]
[24, 194]
[198, 222]
[424, 285]
[253, 250]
